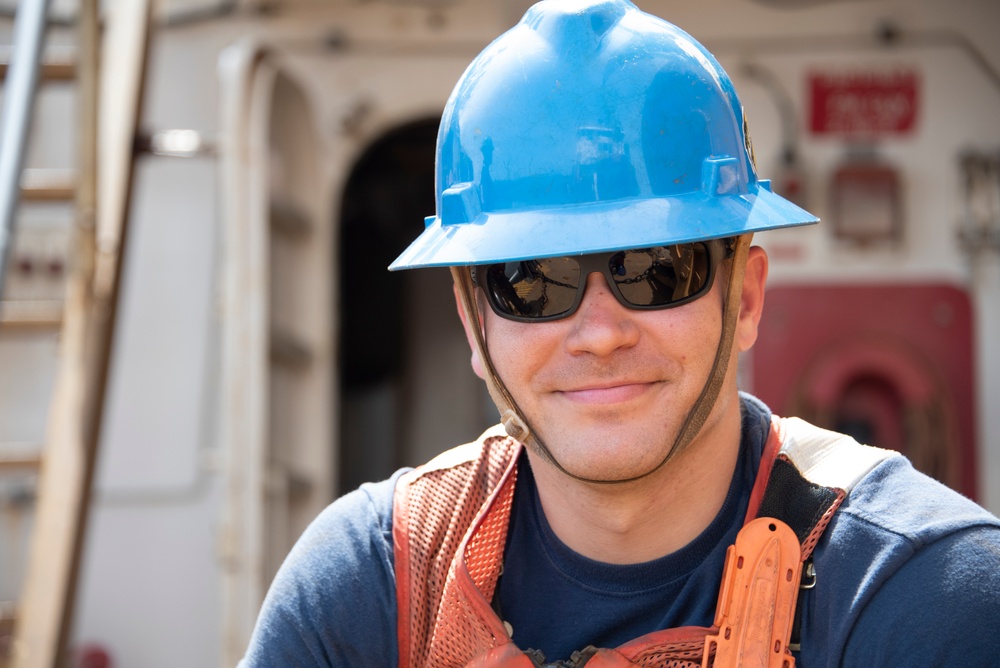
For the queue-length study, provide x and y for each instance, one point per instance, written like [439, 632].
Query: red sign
[863, 103]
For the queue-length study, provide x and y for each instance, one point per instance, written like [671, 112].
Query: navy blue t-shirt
[558, 601]
[908, 573]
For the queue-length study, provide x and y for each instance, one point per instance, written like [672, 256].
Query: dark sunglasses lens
[533, 288]
[652, 277]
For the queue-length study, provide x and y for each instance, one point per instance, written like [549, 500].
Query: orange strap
[756, 607]
[609, 658]
[507, 655]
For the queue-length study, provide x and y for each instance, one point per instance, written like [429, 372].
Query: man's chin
[604, 462]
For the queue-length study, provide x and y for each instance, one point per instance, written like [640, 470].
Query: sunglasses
[552, 288]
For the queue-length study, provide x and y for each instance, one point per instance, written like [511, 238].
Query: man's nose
[601, 324]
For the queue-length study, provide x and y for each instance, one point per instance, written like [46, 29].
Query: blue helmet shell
[591, 126]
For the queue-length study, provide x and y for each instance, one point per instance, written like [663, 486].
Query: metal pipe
[15, 120]
[886, 37]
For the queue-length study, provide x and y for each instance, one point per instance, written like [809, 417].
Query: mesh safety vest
[450, 520]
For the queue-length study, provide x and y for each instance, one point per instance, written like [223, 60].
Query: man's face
[608, 388]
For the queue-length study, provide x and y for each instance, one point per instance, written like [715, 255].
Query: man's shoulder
[906, 552]
[896, 498]
[902, 551]
[894, 515]
[348, 536]
[365, 515]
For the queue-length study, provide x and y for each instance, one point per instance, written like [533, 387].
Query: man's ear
[477, 362]
[752, 298]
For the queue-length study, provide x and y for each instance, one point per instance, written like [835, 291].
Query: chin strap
[510, 417]
[517, 427]
[730, 314]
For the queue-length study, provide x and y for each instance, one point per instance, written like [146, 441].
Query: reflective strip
[828, 458]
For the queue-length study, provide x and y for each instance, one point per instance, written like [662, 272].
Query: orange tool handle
[760, 585]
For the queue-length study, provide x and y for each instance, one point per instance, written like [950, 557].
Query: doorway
[407, 390]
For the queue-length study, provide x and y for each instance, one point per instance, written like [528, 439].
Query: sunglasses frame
[718, 250]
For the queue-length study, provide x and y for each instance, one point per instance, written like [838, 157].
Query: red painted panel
[895, 361]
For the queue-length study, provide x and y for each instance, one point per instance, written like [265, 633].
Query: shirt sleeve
[941, 608]
[333, 601]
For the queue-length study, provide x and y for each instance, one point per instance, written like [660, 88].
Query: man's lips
[608, 393]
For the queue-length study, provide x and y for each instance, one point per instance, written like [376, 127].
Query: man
[596, 199]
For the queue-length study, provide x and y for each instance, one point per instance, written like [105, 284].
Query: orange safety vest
[450, 520]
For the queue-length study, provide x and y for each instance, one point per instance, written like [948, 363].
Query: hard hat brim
[607, 226]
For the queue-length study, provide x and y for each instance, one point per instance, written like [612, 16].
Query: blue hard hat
[591, 126]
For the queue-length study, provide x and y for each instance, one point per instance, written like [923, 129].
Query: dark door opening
[406, 387]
